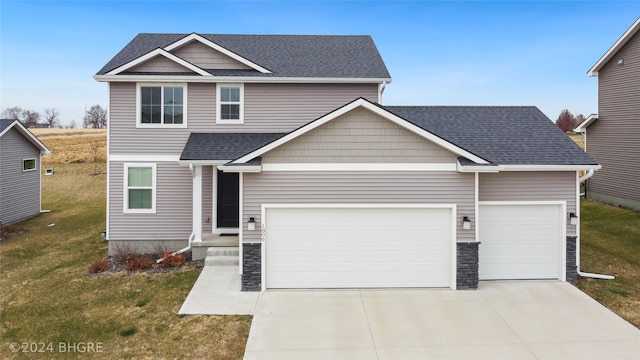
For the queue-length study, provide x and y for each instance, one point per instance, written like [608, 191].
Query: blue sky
[438, 52]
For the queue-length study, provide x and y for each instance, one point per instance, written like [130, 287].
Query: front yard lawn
[45, 297]
[611, 245]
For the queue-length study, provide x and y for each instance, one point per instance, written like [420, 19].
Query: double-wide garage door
[520, 241]
[358, 247]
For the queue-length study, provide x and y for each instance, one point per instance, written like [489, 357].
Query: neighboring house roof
[585, 124]
[306, 56]
[615, 48]
[223, 146]
[8, 124]
[488, 135]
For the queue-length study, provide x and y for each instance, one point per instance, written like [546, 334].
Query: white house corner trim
[197, 203]
[240, 222]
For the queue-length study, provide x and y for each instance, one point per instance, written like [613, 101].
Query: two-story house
[279, 146]
[612, 135]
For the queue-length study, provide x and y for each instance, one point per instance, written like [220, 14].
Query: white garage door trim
[562, 246]
[452, 230]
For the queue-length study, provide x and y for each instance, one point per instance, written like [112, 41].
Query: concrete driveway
[500, 320]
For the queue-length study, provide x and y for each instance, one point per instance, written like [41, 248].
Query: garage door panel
[520, 241]
[358, 247]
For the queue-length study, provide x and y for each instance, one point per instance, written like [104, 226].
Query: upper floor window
[230, 100]
[162, 105]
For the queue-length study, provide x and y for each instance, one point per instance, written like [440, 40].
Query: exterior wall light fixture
[573, 218]
[466, 223]
[251, 224]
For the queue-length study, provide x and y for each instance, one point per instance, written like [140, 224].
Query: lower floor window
[140, 187]
[28, 164]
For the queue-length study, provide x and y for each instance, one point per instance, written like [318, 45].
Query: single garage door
[520, 241]
[356, 247]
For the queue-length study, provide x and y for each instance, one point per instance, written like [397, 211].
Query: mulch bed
[116, 267]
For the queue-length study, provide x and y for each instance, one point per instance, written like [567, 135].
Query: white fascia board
[549, 167]
[240, 169]
[195, 37]
[144, 157]
[29, 135]
[585, 124]
[159, 52]
[237, 79]
[477, 169]
[615, 48]
[359, 167]
[369, 106]
[202, 162]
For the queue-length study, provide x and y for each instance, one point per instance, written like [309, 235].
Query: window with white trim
[230, 100]
[28, 164]
[162, 105]
[139, 188]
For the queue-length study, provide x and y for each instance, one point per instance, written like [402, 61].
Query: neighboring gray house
[20, 172]
[281, 142]
[613, 135]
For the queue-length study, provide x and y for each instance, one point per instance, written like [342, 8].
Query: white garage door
[355, 247]
[520, 241]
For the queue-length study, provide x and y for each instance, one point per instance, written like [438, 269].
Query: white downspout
[193, 234]
[581, 179]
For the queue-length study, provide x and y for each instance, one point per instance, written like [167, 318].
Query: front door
[228, 200]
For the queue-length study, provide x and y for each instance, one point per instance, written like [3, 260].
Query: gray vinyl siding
[19, 191]
[613, 140]
[530, 186]
[174, 198]
[160, 64]
[359, 136]
[205, 57]
[207, 197]
[268, 108]
[410, 187]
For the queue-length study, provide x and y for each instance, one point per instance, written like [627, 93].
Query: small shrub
[128, 331]
[7, 231]
[138, 262]
[98, 266]
[122, 253]
[171, 260]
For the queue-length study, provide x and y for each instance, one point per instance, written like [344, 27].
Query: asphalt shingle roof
[224, 146]
[323, 56]
[4, 123]
[504, 135]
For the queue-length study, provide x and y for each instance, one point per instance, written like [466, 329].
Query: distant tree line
[95, 117]
[566, 121]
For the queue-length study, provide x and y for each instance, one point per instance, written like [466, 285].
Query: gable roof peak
[622, 41]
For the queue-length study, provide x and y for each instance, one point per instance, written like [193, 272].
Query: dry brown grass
[578, 139]
[73, 145]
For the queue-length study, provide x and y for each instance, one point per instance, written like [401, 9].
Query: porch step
[222, 256]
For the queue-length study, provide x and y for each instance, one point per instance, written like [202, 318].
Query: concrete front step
[222, 260]
[223, 250]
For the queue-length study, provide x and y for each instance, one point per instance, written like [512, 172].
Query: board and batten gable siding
[160, 64]
[19, 191]
[360, 136]
[361, 187]
[268, 108]
[205, 57]
[174, 198]
[530, 186]
[614, 139]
